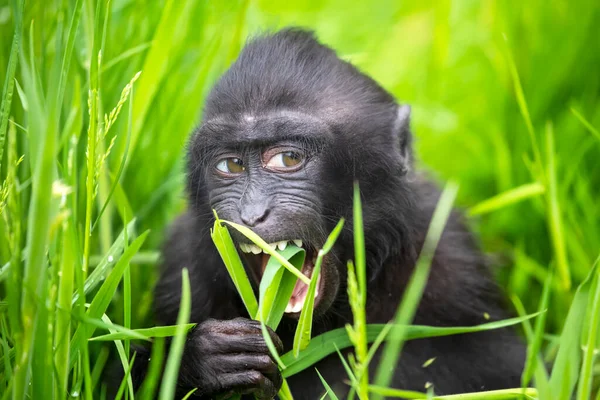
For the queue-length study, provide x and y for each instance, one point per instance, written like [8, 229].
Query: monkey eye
[230, 166]
[286, 161]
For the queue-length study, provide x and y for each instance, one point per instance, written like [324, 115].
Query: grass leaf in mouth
[222, 239]
[304, 328]
[277, 285]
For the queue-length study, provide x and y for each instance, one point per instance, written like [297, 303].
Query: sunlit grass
[505, 102]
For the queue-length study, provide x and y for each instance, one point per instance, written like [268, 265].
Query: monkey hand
[231, 357]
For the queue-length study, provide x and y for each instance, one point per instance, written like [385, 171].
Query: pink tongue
[298, 297]
[299, 290]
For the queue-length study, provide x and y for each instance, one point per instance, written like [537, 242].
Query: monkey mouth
[258, 259]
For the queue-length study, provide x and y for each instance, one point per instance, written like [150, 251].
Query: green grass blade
[93, 133]
[123, 355]
[415, 288]
[347, 368]
[535, 344]
[226, 248]
[328, 391]
[285, 393]
[66, 60]
[102, 299]
[555, 217]
[586, 123]
[333, 236]
[118, 332]
[6, 351]
[303, 330]
[522, 102]
[277, 285]
[503, 394]
[541, 377]
[105, 264]
[357, 295]
[169, 383]
[144, 333]
[584, 390]
[357, 334]
[389, 392]
[126, 298]
[378, 341]
[271, 346]
[43, 140]
[9, 79]
[117, 176]
[99, 365]
[360, 260]
[565, 368]
[122, 203]
[188, 394]
[125, 55]
[14, 283]
[148, 389]
[508, 198]
[325, 344]
[268, 249]
[125, 381]
[63, 318]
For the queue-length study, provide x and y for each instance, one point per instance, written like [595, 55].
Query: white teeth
[250, 248]
[254, 249]
[294, 308]
[296, 303]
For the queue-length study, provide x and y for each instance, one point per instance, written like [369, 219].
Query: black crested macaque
[285, 133]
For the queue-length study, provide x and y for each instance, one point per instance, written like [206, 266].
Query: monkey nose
[254, 214]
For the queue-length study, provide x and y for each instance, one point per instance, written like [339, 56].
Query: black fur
[351, 129]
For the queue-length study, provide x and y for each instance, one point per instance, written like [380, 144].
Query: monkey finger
[248, 382]
[241, 362]
[234, 326]
[226, 344]
[274, 337]
[219, 343]
[240, 327]
[268, 390]
[276, 378]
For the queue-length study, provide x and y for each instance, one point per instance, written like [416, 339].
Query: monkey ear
[402, 136]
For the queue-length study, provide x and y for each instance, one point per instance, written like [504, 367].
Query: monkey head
[285, 133]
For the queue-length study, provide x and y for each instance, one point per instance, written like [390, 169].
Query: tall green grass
[505, 102]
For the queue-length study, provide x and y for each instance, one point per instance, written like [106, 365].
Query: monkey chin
[326, 279]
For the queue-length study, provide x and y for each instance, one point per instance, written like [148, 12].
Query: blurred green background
[457, 63]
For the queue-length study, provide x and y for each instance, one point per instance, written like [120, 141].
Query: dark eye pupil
[291, 158]
[235, 165]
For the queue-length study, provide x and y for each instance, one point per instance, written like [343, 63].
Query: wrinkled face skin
[267, 172]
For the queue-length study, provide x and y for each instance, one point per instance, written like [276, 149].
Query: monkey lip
[258, 263]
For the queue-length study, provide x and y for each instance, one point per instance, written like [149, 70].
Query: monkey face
[288, 175]
[265, 172]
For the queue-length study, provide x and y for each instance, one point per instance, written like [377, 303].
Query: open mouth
[258, 259]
